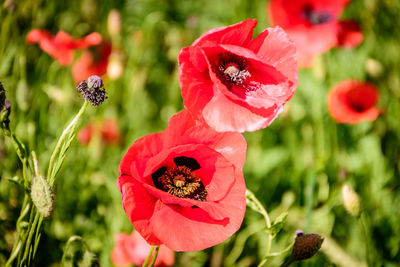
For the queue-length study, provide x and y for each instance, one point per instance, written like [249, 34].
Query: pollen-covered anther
[182, 182]
[235, 74]
[179, 181]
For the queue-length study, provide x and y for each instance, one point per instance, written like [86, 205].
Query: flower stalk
[29, 230]
[253, 203]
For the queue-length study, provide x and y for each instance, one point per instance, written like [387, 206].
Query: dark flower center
[316, 17]
[358, 105]
[231, 69]
[180, 181]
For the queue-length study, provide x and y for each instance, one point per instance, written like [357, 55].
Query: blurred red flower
[92, 62]
[314, 26]
[107, 129]
[237, 83]
[184, 187]
[353, 101]
[133, 249]
[61, 46]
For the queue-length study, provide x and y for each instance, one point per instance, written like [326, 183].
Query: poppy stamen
[232, 69]
[182, 182]
[316, 17]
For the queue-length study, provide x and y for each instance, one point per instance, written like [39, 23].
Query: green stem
[155, 256]
[68, 132]
[71, 240]
[29, 240]
[17, 244]
[286, 264]
[256, 205]
[148, 256]
[260, 208]
[274, 254]
[366, 240]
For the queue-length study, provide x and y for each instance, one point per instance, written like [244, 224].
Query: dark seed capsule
[306, 245]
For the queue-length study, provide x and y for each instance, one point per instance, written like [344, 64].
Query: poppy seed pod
[306, 245]
[351, 201]
[42, 196]
[92, 90]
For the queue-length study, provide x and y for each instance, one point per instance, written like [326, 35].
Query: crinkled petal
[275, 48]
[139, 206]
[237, 34]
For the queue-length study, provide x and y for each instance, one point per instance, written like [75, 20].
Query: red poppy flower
[237, 83]
[107, 129]
[133, 249]
[62, 45]
[353, 101]
[313, 25]
[184, 187]
[92, 62]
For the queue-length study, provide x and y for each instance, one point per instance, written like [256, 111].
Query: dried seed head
[351, 201]
[42, 196]
[93, 90]
[306, 245]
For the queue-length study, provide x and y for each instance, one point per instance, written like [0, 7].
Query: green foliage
[296, 166]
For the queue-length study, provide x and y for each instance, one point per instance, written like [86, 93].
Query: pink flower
[234, 82]
[133, 249]
[314, 26]
[62, 45]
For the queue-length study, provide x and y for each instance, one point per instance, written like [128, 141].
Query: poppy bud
[305, 246]
[114, 22]
[115, 66]
[351, 201]
[374, 67]
[11, 5]
[93, 90]
[42, 196]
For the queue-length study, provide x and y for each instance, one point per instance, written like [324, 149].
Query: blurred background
[298, 164]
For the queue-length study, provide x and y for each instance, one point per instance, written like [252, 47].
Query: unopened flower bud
[115, 66]
[42, 196]
[351, 201]
[93, 90]
[114, 22]
[374, 67]
[11, 5]
[305, 246]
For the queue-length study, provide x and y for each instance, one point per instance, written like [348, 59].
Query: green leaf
[277, 225]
